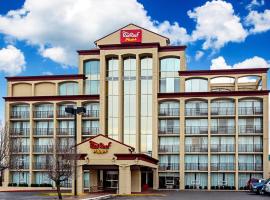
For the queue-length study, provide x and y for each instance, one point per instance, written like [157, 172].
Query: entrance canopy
[102, 150]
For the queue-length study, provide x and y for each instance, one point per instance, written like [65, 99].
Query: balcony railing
[250, 166]
[250, 110]
[63, 114]
[169, 130]
[20, 148]
[222, 147]
[19, 114]
[90, 130]
[64, 148]
[196, 129]
[196, 111]
[43, 131]
[250, 148]
[19, 131]
[19, 165]
[65, 131]
[43, 148]
[222, 111]
[169, 166]
[168, 112]
[40, 165]
[168, 148]
[196, 148]
[222, 129]
[196, 166]
[91, 113]
[43, 114]
[245, 129]
[222, 166]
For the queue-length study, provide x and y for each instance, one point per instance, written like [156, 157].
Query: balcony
[250, 166]
[168, 148]
[169, 166]
[19, 131]
[90, 131]
[43, 131]
[196, 111]
[250, 147]
[65, 131]
[19, 165]
[222, 111]
[64, 149]
[169, 130]
[43, 149]
[222, 166]
[19, 114]
[91, 113]
[196, 166]
[196, 130]
[222, 129]
[40, 165]
[196, 148]
[250, 110]
[250, 129]
[20, 148]
[168, 112]
[63, 114]
[222, 147]
[43, 114]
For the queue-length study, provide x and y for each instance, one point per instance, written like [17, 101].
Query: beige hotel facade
[149, 122]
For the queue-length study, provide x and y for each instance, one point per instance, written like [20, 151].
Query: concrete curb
[108, 196]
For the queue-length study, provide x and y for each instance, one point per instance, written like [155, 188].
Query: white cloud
[255, 3]
[47, 73]
[62, 27]
[259, 22]
[199, 55]
[255, 62]
[217, 24]
[12, 60]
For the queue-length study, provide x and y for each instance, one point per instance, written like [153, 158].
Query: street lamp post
[75, 112]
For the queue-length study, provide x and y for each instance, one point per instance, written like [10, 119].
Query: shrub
[200, 187]
[191, 187]
[245, 188]
[233, 188]
[205, 187]
[23, 185]
[217, 187]
[34, 185]
[241, 188]
[186, 186]
[45, 185]
[213, 187]
[12, 184]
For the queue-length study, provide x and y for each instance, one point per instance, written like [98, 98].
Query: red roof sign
[131, 36]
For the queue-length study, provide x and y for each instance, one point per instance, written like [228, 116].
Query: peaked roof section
[131, 24]
[100, 135]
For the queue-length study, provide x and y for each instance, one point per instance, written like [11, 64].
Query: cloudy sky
[42, 36]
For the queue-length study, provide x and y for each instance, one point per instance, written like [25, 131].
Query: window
[169, 78]
[196, 85]
[92, 73]
[68, 88]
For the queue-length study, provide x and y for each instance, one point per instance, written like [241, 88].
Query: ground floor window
[196, 180]
[111, 179]
[244, 177]
[42, 178]
[20, 177]
[86, 177]
[222, 181]
[169, 180]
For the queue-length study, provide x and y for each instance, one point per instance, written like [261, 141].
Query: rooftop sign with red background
[131, 36]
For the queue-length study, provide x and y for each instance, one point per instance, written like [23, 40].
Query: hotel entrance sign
[131, 36]
[99, 148]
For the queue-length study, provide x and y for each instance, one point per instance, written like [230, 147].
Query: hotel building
[161, 125]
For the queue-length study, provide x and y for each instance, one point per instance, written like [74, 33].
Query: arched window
[68, 88]
[196, 85]
[169, 79]
[92, 72]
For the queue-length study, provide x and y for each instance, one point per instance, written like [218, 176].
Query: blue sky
[41, 37]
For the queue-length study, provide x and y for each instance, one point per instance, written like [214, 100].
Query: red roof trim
[222, 71]
[48, 77]
[172, 48]
[89, 52]
[214, 94]
[91, 138]
[129, 46]
[53, 98]
[139, 156]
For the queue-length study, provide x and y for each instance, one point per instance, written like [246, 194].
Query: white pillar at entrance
[155, 179]
[93, 179]
[80, 186]
[136, 180]
[124, 179]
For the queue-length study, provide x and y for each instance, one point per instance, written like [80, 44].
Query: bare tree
[60, 167]
[4, 149]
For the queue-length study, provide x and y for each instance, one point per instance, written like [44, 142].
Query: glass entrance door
[111, 180]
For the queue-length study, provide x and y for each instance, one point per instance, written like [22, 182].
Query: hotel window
[20, 111]
[42, 177]
[68, 88]
[169, 108]
[43, 111]
[169, 79]
[92, 109]
[113, 97]
[222, 179]
[130, 101]
[243, 177]
[196, 180]
[196, 85]
[168, 144]
[20, 177]
[146, 104]
[250, 163]
[90, 127]
[92, 73]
